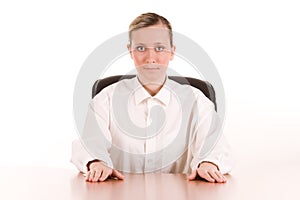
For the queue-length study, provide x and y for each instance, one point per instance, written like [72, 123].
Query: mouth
[151, 67]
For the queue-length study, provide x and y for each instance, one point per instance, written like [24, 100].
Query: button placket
[149, 148]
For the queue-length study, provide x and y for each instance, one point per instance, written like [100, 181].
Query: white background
[255, 46]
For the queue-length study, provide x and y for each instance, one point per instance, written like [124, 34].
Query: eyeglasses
[159, 50]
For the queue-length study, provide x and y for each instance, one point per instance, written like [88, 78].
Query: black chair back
[204, 86]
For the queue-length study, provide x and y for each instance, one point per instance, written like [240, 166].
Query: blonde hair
[150, 19]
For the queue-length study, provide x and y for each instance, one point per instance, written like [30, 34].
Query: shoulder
[184, 89]
[123, 85]
[189, 92]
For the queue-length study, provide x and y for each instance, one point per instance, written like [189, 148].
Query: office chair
[204, 86]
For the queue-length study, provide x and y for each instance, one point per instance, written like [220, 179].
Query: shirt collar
[141, 94]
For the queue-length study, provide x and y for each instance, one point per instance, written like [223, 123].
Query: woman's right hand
[100, 172]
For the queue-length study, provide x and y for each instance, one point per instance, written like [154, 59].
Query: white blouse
[135, 132]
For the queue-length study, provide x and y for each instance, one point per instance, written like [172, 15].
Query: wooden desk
[51, 183]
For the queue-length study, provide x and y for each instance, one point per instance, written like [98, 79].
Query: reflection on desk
[50, 183]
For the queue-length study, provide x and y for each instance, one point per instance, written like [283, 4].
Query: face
[151, 52]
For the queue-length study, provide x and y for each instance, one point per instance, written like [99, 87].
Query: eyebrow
[153, 43]
[139, 44]
[160, 43]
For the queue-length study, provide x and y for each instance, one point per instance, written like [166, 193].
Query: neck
[152, 87]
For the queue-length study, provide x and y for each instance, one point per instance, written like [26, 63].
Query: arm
[95, 170]
[80, 156]
[217, 163]
[211, 152]
[91, 154]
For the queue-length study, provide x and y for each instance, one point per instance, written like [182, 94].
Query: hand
[100, 172]
[209, 172]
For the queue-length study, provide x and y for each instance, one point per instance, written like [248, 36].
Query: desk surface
[51, 183]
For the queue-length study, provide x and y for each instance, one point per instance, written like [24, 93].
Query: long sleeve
[95, 137]
[80, 156]
[209, 143]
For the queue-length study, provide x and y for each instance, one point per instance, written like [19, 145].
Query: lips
[152, 67]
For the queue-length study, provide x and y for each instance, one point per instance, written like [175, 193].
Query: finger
[222, 177]
[193, 175]
[97, 175]
[117, 174]
[215, 175]
[206, 176]
[92, 174]
[87, 176]
[104, 175]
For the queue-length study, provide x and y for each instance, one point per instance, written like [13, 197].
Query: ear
[130, 51]
[172, 52]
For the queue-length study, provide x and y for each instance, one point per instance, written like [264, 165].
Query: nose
[150, 56]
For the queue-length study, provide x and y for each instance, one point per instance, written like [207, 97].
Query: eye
[140, 48]
[159, 49]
